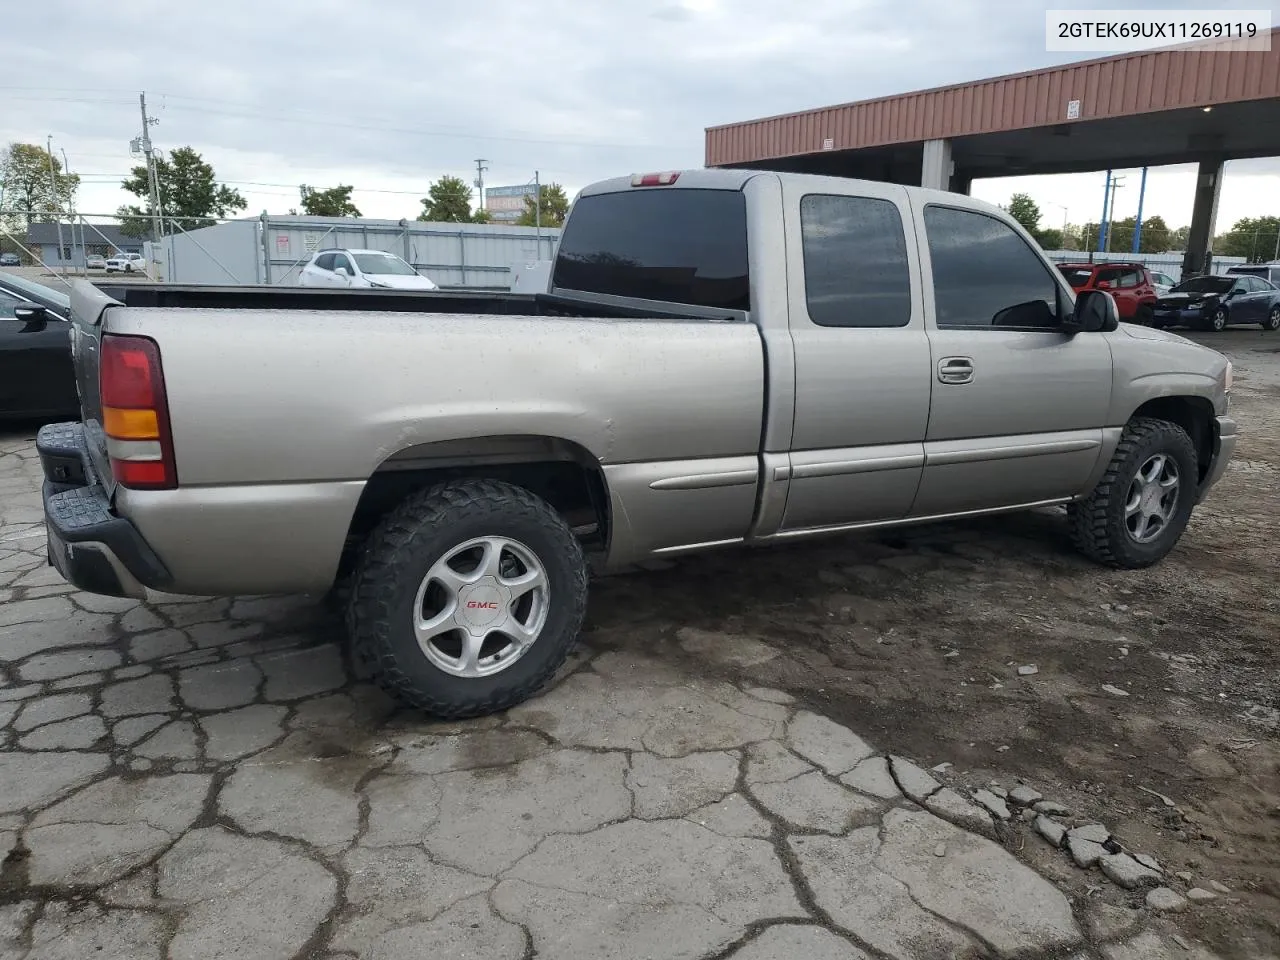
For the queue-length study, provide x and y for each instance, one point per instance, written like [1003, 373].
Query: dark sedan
[1213, 303]
[37, 380]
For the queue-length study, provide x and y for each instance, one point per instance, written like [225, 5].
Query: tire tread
[1087, 519]
[369, 611]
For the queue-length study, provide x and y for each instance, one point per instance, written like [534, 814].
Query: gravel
[1050, 830]
[1165, 900]
[993, 803]
[1127, 872]
[1049, 808]
[1025, 796]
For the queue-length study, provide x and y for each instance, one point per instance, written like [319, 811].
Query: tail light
[135, 413]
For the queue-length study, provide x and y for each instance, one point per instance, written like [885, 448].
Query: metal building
[272, 249]
[1202, 103]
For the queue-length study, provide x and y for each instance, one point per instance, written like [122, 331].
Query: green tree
[334, 202]
[1050, 239]
[448, 200]
[553, 209]
[1253, 238]
[1179, 238]
[1023, 209]
[28, 186]
[189, 193]
[1156, 236]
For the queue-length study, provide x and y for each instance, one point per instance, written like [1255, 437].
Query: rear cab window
[677, 245]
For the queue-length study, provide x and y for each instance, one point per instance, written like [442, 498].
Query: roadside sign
[1073, 110]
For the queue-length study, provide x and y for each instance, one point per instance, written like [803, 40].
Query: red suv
[1129, 283]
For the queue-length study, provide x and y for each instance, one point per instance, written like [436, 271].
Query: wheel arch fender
[560, 471]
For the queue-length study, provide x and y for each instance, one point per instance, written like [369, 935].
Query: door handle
[955, 370]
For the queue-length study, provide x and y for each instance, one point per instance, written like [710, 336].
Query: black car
[1214, 302]
[37, 378]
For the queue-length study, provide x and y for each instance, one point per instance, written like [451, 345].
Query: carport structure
[1196, 104]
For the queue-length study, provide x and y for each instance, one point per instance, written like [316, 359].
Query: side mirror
[1095, 312]
[342, 272]
[35, 317]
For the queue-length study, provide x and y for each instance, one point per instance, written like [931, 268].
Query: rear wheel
[1140, 508]
[1273, 319]
[467, 598]
[1145, 315]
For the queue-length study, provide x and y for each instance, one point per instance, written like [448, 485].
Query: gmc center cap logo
[481, 604]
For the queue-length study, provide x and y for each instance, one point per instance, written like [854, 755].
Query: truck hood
[1151, 333]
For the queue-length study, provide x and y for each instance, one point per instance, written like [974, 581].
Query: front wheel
[1218, 322]
[1140, 508]
[1273, 319]
[467, 598]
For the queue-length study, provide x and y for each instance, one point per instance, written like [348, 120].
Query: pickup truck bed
[724, 357]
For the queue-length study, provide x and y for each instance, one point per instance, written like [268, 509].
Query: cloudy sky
[390, 94]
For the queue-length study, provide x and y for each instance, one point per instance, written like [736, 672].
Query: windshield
[1204, 285]
[383, 263]
[1076, 276]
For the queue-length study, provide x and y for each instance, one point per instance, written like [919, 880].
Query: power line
[383, 125]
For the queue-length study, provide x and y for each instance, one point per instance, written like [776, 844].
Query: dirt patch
[914, 640]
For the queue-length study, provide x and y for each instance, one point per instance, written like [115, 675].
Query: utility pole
[53, 185]
[537, 209]
[1137, 223]
[480, 169]
[152, 179]
[1108, 212]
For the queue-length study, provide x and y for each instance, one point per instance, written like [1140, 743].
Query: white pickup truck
[723, 357]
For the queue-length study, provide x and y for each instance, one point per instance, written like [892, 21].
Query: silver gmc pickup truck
[722, 357]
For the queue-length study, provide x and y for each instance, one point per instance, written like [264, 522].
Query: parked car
[37, 379]
[95, 261]
[723, 357]
[1264, 271]
[361, 268]
[9, 260]
[1162, 282]
[1216, 302]
[126, 263]
[1129, 283]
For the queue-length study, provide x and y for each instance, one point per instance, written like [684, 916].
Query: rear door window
[685, 246]
[855, 262]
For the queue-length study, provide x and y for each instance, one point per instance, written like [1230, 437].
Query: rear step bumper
[89, 545]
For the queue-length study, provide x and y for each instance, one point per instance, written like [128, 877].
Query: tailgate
[88, 318]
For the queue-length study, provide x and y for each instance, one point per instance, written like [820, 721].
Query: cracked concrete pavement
[195, 778]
